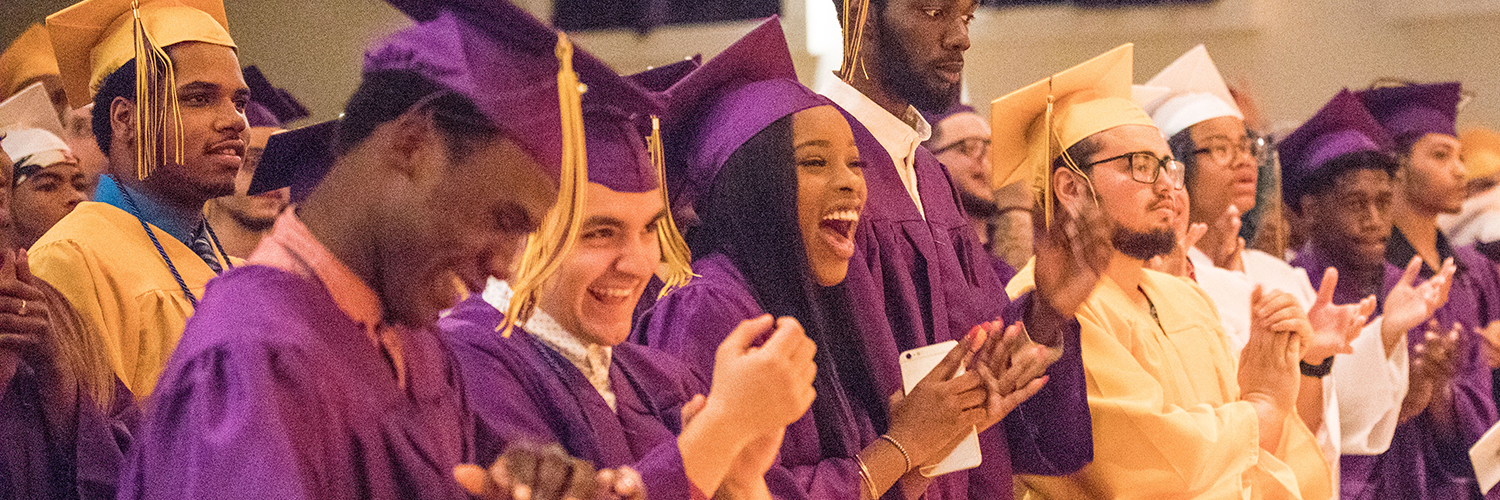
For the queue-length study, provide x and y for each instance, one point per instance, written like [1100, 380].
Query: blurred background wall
[1291, 54]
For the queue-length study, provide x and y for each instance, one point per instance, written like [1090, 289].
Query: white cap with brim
[1192, 92]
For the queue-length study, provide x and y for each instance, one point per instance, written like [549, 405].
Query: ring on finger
[22, 310]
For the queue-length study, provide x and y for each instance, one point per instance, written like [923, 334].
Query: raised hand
[1490, 335]
[761, 389]
[941, 408]
[532, 472]
[1012, 367]
[1407, 306]
[1228, 248]
[1268, 364]
[1432, 367]
[23, 309]
[1070, 255]
[1334, 326]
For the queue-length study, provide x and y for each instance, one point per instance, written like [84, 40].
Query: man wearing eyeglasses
[1193, 107]
[1002, 218]
[1175, 413]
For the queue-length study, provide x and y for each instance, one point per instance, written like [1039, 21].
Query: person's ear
[1072, 190]
[412, 139]
[122, 123]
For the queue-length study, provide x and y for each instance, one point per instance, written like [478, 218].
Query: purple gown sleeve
[246, 423]
[690, 323]
[1052, 433]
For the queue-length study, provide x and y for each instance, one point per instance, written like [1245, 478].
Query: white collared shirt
[901, 136]
[591, 359]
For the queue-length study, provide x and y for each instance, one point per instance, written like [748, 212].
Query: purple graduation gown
[275, 392]
[692, 321]
[936, 282]
[520, 389]
[34, 464]
[1425, 462]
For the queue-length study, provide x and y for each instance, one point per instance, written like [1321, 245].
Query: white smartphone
[916, 364]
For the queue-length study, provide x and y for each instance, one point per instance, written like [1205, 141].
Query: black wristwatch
[1319, 370]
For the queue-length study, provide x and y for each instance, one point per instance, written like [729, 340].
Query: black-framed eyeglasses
[1224, 151]
[973, 147]
[1146, 168]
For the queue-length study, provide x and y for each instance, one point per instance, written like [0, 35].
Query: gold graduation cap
[28, 58]
[1038, 123]
[94, 38]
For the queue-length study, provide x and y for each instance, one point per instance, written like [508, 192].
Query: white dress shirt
[901, 136]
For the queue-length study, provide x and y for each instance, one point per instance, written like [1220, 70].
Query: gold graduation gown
[1168, 422]
[102, 261]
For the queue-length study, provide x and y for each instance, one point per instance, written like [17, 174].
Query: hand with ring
[23, 310]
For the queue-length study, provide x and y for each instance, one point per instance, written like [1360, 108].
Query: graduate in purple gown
[765, 166]
[65, 419]
[566, 375]
[919, 259]
[314, 370]
[1430, 181]
[1339, 170]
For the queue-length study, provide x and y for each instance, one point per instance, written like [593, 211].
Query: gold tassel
[674, 251]
[559, 231]
[157, 117]
[854, 18]
[1047, 198]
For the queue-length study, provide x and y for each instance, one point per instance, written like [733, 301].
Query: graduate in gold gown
[135, 262]
[1173, 417]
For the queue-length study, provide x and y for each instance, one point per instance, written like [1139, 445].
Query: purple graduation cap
[270, 106]
[506, 61]
[1343, 126]
[726, 102]
[297, 159]
[1409, 112]
[661, 78]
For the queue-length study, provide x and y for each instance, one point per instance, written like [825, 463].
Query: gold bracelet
[899, 448]
[864, 476]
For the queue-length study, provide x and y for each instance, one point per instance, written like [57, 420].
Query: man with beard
[243, 219]
[1172, 416]
[919, 265]
[125, 261]
[1002, 219]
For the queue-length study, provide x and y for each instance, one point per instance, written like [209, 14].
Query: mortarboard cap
[28, 58]
[569, 111]
[660, 78]
[1038, 123]
[1412, 111]
[1187, 92]
[1480, 151]
[935, 118]
[93, 38]
[30, 132]
[270, 106]
[1341, 127]
[297, 159]
[726, 102]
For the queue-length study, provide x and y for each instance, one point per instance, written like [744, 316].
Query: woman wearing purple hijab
[775, 176]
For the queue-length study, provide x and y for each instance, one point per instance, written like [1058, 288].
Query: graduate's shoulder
[718, 281]
[262, 305]
[470, 331]
[93, 224]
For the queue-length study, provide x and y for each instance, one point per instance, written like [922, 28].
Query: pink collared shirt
[292, 248]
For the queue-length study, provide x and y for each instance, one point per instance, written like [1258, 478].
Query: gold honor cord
[856, 13]
[674, 251]
[559, 230]
[157, 117]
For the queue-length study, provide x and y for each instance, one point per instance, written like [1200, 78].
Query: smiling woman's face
[830, 190]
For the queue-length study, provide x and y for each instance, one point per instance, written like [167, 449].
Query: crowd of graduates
[507, 271]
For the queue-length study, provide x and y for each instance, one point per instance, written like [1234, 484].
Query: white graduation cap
[31, 131]
[1186, 92]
